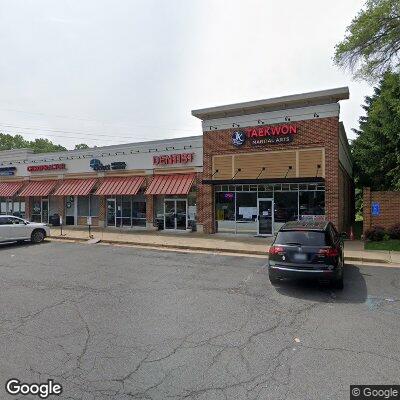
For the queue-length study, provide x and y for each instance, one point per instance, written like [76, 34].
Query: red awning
[10, 189]
[122, 186]
[38, 188]
[171, 184]
[75, 187]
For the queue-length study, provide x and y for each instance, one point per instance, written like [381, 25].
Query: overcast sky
[108, 72]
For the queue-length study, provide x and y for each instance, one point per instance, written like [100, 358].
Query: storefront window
[13, 206]
[311, 203]
[125, 211]
[83, 206]
[3, 206]
[225, 211]
[246, 212]
[192, 208]
[285, 208]
[237, 209]
[88, 206]
[94, 206]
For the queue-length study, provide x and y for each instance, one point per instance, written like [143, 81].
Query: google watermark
[42, 390]
[374, 392]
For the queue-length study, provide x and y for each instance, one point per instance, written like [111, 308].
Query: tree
[372, 43]
[376, 150]
[8, 142]
[81, 146]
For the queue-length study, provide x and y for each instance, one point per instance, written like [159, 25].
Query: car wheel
[37, 236]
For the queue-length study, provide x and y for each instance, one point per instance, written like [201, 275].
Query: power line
[83, 134]
[94, 120]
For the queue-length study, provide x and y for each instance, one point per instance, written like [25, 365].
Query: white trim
[317, 97]
[273, 117]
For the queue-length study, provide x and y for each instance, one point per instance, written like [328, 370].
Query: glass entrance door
[111, 212]
[175, 214]
[45, 210]
[265, 216]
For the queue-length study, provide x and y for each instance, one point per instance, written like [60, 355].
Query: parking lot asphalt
[111, 322]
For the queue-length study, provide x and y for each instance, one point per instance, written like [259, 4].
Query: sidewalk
[354, 250]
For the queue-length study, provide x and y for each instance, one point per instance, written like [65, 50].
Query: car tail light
[329, 252]
[276, 250]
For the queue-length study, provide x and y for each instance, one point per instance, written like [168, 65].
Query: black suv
[307, 249]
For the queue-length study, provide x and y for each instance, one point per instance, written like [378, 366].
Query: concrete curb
[203, 248]
[167, 246]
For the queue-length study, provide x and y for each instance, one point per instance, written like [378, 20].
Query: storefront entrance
[40, 210]
[70, 210]
[126, 211]
[111, 212]
[265, 217]
[175, 214]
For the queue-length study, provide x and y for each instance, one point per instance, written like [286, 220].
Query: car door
[17, 229]
[3, 228]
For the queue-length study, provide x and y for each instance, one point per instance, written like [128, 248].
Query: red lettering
[254, 133]
[173, 159]
[261, 132]
[285, 130]
[46, 167]
[292, 129]
[276, 130]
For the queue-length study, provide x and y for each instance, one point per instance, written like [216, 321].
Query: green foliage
[45, 146]
[81, 146]
[8, 142]
[372, 42]
[376, 150]
[391, 245]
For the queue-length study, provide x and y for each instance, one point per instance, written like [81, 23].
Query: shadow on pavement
[10, 245]
[354, 291]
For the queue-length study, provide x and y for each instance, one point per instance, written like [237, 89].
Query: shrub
[375, 234]
[394, 231]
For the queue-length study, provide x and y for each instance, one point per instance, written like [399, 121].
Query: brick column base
[102, 212]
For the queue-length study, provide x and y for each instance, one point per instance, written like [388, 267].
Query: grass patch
[391, 244]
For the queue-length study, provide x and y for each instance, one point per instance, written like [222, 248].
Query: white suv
[14, 229]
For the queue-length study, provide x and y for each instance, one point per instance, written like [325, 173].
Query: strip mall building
[256, 165]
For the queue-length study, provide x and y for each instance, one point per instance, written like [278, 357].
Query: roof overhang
[277, 103]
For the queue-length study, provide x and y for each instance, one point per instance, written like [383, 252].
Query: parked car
[307, 249]
[14, 229]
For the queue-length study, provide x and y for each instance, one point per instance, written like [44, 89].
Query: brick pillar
[150, 199]
[205, 209]
[332, 185]
[366, 208]
[102, 212]
[150, 211]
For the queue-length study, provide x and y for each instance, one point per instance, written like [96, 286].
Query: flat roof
[276, 103]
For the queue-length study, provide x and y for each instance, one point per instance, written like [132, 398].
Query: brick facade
[321, 132]
[389, 208]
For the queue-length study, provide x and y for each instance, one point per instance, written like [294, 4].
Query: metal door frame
[258, 216]
[45, 200]
[175, 219]
[114, 200]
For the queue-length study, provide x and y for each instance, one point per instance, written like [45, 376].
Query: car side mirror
[26, 222]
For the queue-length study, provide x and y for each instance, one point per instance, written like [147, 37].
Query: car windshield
[302, 238]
